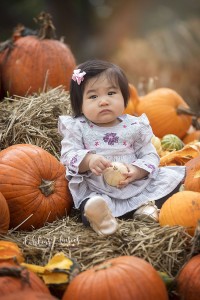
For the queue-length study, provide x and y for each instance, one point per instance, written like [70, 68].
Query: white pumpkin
[157, 144]
[113, 175]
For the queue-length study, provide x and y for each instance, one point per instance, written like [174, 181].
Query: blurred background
[156, 42]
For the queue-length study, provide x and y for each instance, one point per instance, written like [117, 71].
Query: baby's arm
[95, 163]
[146, 158]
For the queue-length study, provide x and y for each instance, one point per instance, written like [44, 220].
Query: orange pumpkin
[182, 208]
[15, 278]
[5, 215]
[36, 63]
[130, 109]
[9, 251]
[28, 294]
[193, 136]
[124, 277]
[133, 94]
[133, 100]
[164, 109]
[192, 179]
[188, 286]
[34, 185]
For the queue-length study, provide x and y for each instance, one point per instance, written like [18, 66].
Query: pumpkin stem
[103, 266]
[16, 272]
[186, 111]
[47, 187]
[47, 29]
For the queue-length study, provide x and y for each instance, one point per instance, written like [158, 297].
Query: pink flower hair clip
[78, 76]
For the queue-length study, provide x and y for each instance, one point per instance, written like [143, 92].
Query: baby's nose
[103, 101]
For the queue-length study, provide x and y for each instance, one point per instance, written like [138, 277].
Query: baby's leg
[159, 203]
[83, 217]
[99, 216]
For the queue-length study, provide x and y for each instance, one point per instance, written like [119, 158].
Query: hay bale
[34, 119]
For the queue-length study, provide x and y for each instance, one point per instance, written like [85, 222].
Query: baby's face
[103, 102]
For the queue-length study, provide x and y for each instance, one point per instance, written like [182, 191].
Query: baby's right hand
[98, 164]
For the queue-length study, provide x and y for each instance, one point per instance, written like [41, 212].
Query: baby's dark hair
[94, 68]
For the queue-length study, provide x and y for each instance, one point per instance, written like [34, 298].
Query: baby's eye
[93, 97]
[111, 93]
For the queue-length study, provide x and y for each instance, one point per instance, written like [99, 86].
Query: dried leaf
[181, 157]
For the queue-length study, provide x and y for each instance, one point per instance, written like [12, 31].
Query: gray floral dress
[128, 142]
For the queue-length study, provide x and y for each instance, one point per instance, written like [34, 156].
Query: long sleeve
[147, 157]
[72, 146]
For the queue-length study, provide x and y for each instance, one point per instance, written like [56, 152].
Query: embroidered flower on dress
[152, 167]
[73, 161]
[111, 138]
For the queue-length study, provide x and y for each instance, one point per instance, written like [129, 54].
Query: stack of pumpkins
[31, 178]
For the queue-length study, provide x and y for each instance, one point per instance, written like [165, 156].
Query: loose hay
[166, 248]
[34, 119]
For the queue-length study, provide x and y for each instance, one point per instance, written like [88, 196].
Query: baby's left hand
[133, 174]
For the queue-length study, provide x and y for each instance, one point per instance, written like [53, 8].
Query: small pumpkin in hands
[157, 144]
[113, 175]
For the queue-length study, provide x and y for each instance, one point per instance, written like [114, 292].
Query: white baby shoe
[99, 216]
[147, 212]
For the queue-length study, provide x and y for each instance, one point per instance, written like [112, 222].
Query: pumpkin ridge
[55, 205]
[118, 278]
[173, 217]
[38, 160]
[43, 155]
[50, 161]
[134, 283]
[188, 273]
[9, 195]
[22, 148]
[137, 283]
[16, 181]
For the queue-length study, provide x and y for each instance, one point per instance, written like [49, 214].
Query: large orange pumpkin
[36, 63]
[193, 136]
[192, 179]
[34, 185]
[15, 278]
[188, 285]
[125, 277]
[164, 109]
[9, 251]
[182, 208]
[5, 215]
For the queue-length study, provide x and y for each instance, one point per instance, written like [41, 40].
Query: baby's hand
[98, 164]
[133, 174]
